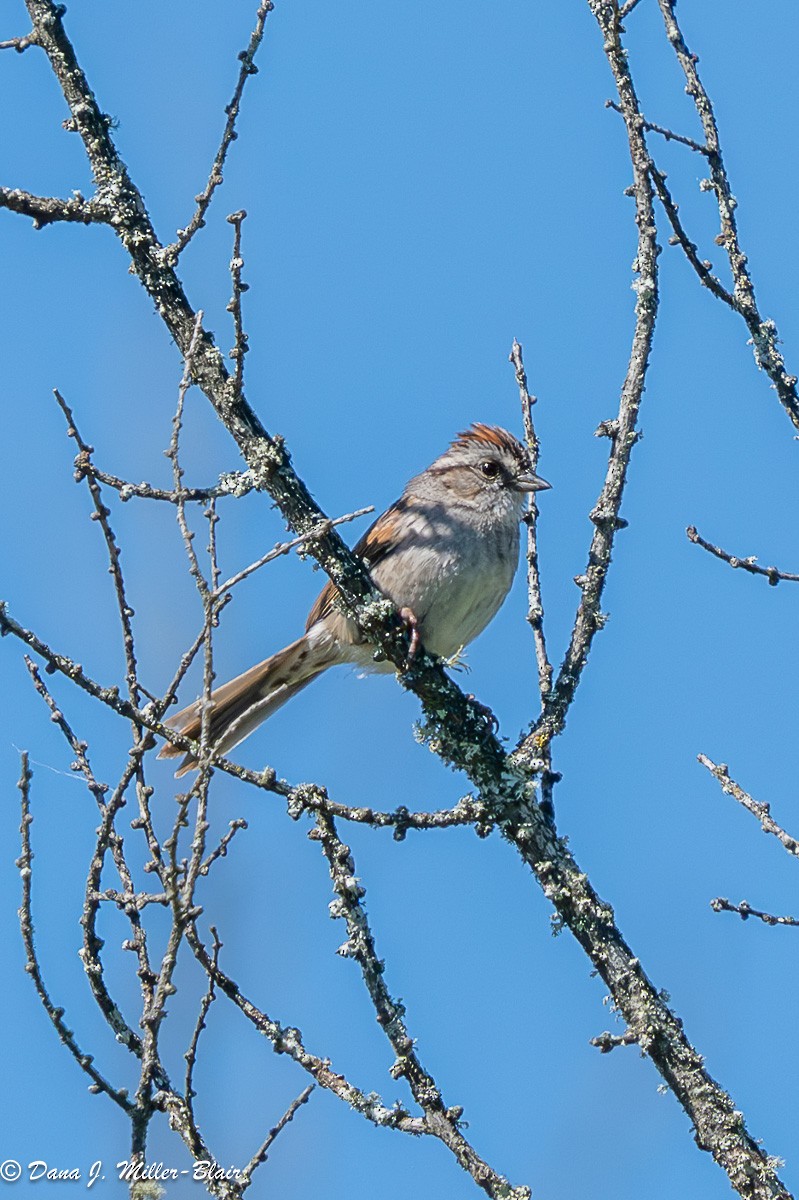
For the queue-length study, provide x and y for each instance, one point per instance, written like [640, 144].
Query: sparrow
[445, 553]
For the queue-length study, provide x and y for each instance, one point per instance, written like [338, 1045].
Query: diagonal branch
[172, 252]
[622, 430]
[439, 1120]
[261, 1154]
[757, 808]
[288, 1040]
[763, 332]
[772, 574]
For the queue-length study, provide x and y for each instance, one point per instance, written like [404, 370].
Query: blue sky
[422, 185]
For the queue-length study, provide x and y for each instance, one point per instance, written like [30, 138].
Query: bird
[445, 553]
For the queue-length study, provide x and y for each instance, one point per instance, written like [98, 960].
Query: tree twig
[608, 1041]
[45, 210]
[757, 808]
[763, 332]
[260, 1156]
[241, 341]
[172, 252]
[56, 1014]
[668, 134]
[772, 574]
[440, 1121]
[622, 430]
[745, 910]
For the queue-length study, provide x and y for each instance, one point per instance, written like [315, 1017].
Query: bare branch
[745, 910]
[535, 606]
[668, 134]
[20, 43]
[288, 1040]
[762, 811]
[220, 851]
[622, 430]
[281, 548]
[680, 238]
[101, 515]
[608, 1041]
[762, 331]
[535, 612]
[260, 1156]
[191, 1054]
[468, 811]
[772, 574]
[439, 1120]
[628, 7]
[56, 1015]
[241, 342]
[171, 253]
[45, 210]
[234, 483]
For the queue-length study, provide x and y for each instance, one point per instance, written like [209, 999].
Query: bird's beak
[528, 482]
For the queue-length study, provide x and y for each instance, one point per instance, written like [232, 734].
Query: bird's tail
[243, 703]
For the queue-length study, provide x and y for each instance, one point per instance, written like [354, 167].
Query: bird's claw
[485, 712]
[408, 617]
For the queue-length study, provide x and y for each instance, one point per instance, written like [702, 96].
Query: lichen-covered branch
[757, 808]
[32, 966]
[763, 331]
[288, 1040]
[439, 1120]
[621, 430]
[45, 210]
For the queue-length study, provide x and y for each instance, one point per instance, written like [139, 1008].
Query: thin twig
[763, 333]
[101, 515]
[56, 1015]
[20, 43]
[608, 1041]
[440, 1121]
[680, 238]
[172, 252]
[668, 134]
[241, 341]
[772, 574]
[757, 808]
[260, 1156]
[628, 7]
[535, 607]
[284, 547]
[288, 1040]
[220, 851]
[745, 910]
[191, 1054]
[535, 612]
[234, 483]
[622, 430]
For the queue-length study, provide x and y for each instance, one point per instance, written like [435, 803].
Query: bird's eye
[489, 469]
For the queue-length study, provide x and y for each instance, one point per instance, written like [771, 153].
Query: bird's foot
[408, 618]
[485, 712]
[457, 661]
